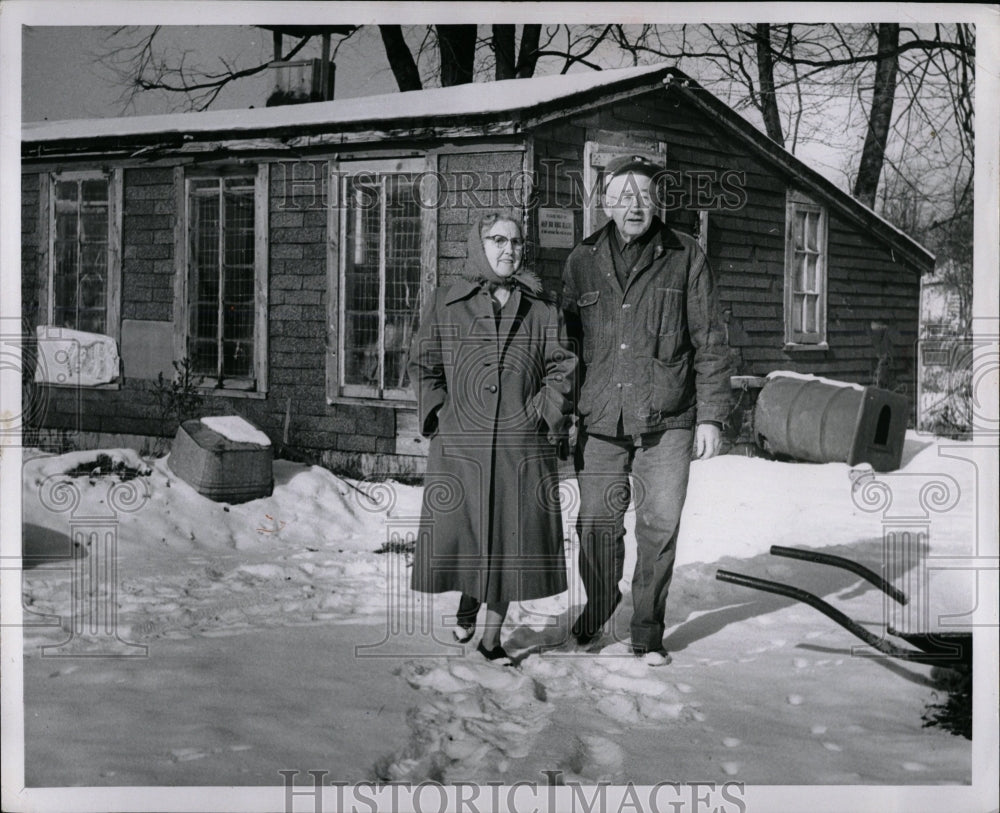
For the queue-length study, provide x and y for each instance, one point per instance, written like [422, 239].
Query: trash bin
[222, 464]
[823, 421]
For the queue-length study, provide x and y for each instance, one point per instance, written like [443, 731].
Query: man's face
[629, 202]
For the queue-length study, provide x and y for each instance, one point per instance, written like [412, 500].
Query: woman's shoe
[462, 633]
[496, 654]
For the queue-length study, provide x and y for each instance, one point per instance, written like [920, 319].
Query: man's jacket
[654, 353]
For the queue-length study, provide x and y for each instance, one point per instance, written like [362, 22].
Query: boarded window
[80, 260]
[226, 292]
[805, 271]
[383, 234]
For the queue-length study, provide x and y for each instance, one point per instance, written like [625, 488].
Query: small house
[282, 254]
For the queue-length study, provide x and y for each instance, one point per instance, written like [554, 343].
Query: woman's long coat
[489, 391]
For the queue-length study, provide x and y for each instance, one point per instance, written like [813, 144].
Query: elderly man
[641, 302]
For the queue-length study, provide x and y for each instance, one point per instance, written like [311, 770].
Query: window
[82, 283]
[385, 232]
[226, 281]
[596, 156]
[805, 272]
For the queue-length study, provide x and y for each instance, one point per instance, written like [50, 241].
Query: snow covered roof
[510, 99]
[481, 98]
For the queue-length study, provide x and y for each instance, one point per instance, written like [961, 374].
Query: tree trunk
[457, 45]
[880, 117]
[765, 75]
[503, 48]
[527, 56]
[400, 58]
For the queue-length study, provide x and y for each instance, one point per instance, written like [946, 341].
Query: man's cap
[636, 164]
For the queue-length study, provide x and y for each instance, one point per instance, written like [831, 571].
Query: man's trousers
[659, 469]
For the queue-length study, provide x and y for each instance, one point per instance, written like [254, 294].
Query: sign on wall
[555, 228]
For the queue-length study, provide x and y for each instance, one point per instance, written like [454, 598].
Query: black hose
[839, 561]
[846, 622]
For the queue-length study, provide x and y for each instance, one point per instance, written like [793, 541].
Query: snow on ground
[270, 636]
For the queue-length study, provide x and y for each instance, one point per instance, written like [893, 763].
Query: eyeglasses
[500, 242]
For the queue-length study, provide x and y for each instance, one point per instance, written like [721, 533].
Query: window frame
[183, 255]
[47, 203]
[423, 167]
[796, 202]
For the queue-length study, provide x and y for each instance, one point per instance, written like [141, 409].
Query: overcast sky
[63, 79]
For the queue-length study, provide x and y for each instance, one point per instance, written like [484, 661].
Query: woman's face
[504, 247]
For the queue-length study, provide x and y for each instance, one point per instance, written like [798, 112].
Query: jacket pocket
[671, 385]
[590, 320]
[666, 311]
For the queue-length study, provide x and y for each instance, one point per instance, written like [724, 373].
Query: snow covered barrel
[824, 421]
[224, 458]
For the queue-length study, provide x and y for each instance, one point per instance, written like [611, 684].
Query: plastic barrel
[819, 422]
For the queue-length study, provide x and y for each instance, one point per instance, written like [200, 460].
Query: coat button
[624, 346]
[492, 388]
[626, 306]
[619, 386]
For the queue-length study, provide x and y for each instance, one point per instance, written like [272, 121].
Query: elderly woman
[493, 377]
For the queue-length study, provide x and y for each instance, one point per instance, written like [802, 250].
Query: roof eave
[701, 98]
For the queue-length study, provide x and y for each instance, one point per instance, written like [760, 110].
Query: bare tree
[765, 72]
[910, 90]
[880, 117]
[136, 58]
[401, 60]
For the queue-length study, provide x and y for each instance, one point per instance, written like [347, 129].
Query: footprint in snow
[476, 718]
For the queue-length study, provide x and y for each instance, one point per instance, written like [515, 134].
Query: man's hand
[563, 437]
[708, 439]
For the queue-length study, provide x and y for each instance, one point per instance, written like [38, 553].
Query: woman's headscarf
[477, 267]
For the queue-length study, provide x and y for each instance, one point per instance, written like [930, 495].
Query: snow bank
[41, 468]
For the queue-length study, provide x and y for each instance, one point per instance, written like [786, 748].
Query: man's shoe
[652, 657]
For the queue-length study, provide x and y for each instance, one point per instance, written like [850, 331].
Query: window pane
[95, 191]
[811, 231]
[237, 360]
[91, 321]
[797, 313]
[807, 273]
[94, 225]
[80, 256]
[92, 291]
[203, 356]
[809, 303]
[222, 277]
[67, 191]
[402, 284]
[361, 282]
[66, 224]
[799, 230]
